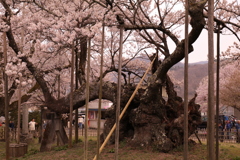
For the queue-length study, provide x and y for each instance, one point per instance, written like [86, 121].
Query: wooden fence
[231, 136]
[2, 133]
[12, 133]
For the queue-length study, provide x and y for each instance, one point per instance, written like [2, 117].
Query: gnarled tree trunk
[154, 122]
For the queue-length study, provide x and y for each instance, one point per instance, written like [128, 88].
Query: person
[73, 120]
[44, 125]
[80, 122]
[3, 123]
[32, 127]
[237, 125]
[228, 128]
[11, 125]
[220, 130]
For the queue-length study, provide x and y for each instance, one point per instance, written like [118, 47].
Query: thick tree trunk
[54, 128]
[154, 122]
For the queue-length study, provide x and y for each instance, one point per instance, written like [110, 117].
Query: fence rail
[81, 132]
[2, 133]
[230, 136]
[12, 133]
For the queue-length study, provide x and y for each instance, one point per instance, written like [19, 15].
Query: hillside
[196, 72]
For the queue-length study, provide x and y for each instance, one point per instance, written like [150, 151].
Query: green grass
[197, 152]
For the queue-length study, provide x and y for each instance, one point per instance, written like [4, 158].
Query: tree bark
[54, 128]
[154, 122]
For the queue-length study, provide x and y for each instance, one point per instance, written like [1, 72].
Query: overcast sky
[200, 52]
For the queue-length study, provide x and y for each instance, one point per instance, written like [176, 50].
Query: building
[93, 112]
[228, 111]
[225, 110]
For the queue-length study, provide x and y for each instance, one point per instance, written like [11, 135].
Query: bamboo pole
[87, 103]
[71, 99]
[124, 110]
[6, 101]
[100, 93]
[185, 154]
[210, 121]
[118, 93]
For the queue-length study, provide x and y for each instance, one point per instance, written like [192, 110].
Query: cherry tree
[63, 30]
[232, 52]
[45, 45]
[228, 85]
[230, 89]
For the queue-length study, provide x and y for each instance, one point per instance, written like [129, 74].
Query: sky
[200, 52]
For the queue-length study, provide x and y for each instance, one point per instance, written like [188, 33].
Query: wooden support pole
[6, 101]
[211, 104]
[71, 99]
[118, 93]
[217, 92]
[100, 93]
[24, 107]
[186, 84]
[76, 125]
[19, 109]
[76, 87]
[58, 90]
[87, 102]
